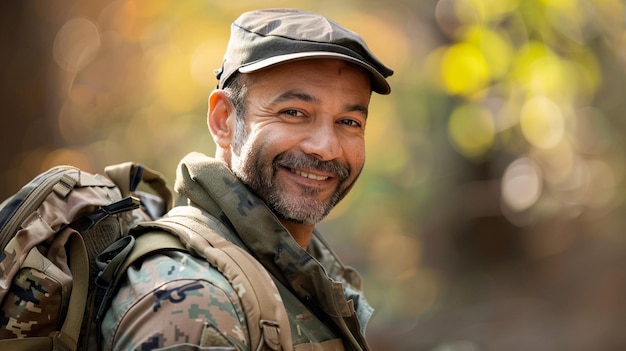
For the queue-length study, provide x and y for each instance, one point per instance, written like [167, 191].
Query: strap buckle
[270, 335]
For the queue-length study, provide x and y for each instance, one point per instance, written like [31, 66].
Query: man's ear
[219, 118]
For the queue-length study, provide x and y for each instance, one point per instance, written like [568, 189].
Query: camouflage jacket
[173, 298]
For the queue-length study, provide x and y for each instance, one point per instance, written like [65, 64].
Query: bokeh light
[76, 44]
[542, 122]
[489, 214]
[465, 70]
[522, 184]
[472, 129]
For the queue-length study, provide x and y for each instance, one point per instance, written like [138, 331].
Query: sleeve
[175, 301]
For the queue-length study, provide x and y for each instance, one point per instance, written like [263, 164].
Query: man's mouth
[309, 175]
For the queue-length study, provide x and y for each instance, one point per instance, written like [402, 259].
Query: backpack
[50, 233]
[65, 247]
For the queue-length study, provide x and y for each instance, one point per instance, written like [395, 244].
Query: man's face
[303, 144]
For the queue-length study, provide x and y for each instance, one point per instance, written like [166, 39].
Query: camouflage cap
[263, 38]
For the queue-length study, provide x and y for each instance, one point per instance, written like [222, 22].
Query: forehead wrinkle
[297, 95]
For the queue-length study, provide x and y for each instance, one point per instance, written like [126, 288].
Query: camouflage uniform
[174, 298]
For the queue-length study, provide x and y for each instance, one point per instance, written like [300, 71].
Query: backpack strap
[115, 260]
[267, 319]
[119, 256]
[67, 337]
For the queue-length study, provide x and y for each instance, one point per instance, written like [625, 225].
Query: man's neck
[301, 233]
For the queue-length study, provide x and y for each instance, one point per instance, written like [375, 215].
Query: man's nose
[322, 142]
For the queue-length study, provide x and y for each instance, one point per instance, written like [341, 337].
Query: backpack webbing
[71, 215]
[266, 317]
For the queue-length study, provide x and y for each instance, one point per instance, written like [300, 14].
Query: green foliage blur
[489, 214]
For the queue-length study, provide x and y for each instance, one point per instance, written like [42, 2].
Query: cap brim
[379, 83]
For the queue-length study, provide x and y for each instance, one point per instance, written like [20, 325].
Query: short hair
[237, 90]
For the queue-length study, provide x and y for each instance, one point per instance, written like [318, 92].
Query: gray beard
[298, 209]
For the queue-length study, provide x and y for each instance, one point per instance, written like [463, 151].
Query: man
[288, 118]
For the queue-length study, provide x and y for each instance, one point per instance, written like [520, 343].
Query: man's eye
[350, 123]
[292, 113]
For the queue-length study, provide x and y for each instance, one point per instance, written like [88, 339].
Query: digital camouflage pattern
[50, 232]
[173, 297]
[32, 306]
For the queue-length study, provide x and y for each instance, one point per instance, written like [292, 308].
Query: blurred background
[490, 213]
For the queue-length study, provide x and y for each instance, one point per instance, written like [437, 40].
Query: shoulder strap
[118, 257]
[67, 337]
[267, 319]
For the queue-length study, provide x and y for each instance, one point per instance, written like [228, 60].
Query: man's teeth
[308, 175]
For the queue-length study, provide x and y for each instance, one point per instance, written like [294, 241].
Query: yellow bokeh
[542, 122]
[472, 130]
[495, 48]
[464, 69]
[542, 72]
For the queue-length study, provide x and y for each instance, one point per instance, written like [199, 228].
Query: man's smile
[309, 175]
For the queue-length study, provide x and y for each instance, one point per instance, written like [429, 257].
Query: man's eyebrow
[358, 108]
[297, 95]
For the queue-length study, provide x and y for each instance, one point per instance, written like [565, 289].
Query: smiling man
[288, 118]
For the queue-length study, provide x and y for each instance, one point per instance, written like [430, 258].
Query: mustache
[304, 161]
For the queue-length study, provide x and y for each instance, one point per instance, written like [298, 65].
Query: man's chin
[300, 213]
